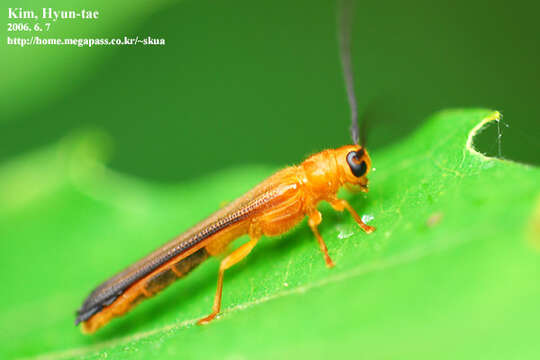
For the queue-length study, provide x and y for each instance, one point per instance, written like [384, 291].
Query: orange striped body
[271, 208]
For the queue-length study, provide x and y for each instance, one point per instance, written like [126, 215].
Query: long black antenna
[345, 20]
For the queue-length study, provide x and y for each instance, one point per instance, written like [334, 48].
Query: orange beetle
[271, 208]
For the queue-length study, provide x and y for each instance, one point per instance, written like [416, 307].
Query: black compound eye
[358, 168]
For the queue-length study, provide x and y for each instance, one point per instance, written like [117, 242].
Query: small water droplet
[367, 218]
[343, 235]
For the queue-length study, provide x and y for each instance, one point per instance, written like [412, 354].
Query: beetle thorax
[321, 175]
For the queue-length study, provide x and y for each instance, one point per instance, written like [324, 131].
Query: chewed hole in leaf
[489, 139]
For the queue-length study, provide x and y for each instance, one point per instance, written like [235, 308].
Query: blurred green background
[260, 82]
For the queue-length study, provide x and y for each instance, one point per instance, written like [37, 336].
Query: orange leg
[340, 205]
[226, 263]
[314, 219]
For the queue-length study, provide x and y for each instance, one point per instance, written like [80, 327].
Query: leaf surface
[451, 272]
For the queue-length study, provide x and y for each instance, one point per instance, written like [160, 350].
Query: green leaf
[451, 272]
